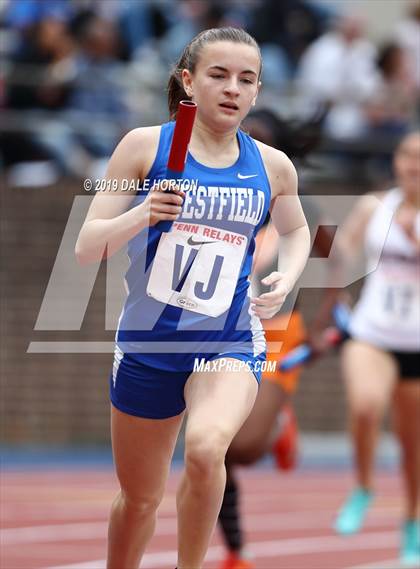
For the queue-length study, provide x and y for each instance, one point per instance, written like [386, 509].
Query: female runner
[188, 293]
[381, 360]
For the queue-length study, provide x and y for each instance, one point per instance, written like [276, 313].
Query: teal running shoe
[410, 545]
[352, 515]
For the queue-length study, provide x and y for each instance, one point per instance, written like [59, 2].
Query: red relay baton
[179, 148]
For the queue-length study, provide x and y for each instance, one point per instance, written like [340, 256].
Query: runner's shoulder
[369, 202]
[280, 169]
[272, 156]
[138, 148]
[141, 137]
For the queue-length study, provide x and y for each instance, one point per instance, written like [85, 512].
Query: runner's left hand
[269, 303]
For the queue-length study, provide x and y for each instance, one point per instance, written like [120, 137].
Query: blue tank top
[188, 289]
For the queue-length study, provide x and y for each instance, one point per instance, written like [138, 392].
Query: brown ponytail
[189, 58]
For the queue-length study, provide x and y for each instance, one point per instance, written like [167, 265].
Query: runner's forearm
[293, 253]
[101, 238]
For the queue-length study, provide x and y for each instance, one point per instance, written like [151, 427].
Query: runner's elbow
[84, 256]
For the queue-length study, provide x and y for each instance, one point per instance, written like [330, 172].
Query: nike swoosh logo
[245, 176]
[192, 242]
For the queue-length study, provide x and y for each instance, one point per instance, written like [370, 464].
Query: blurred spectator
[191, 17]
[142, 23]
[43, 66]
[69, 84]
[83, 135]
[284, 30]
[338, 70]
[407, 34]
[40, 76]
[98, 93]
[392, 106]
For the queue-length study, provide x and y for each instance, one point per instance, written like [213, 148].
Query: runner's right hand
[163, 205]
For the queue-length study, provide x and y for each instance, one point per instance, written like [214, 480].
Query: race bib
[196, 267]
[398, 308]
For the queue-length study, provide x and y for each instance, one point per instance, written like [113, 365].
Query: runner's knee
[139, 502]
[368, 415]
[205, 452]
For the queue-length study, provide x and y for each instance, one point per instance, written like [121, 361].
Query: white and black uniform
[387, 314]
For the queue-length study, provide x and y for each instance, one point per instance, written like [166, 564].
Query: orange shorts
[289, 338]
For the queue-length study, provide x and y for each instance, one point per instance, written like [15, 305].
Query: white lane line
[51, 533]
[167, 526]
[267, 549]
[386, 564]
